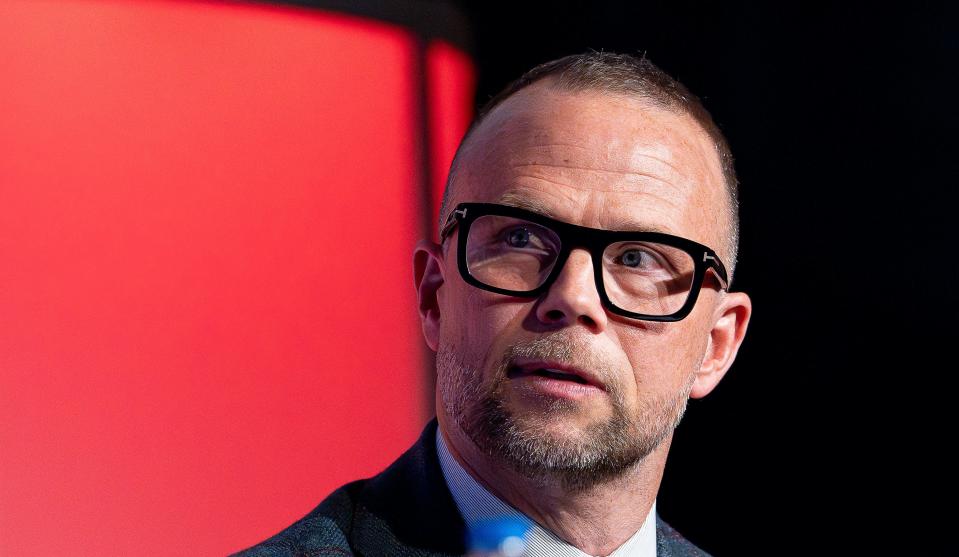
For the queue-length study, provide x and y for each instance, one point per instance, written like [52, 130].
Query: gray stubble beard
[604, 451]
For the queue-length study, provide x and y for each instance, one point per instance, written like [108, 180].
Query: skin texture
[605, 161]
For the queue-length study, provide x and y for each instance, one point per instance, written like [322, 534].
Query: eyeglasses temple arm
[451, 222]
[718, 266]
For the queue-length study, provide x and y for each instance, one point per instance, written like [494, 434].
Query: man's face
[597, 160]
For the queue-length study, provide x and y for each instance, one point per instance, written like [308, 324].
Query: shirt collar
[476, 504]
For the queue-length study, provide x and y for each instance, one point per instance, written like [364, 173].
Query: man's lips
[554, 370]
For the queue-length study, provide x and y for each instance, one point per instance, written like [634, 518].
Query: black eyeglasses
[643, 275]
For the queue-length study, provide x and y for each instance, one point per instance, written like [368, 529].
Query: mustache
[562, 347]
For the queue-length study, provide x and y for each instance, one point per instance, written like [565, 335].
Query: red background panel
[450, 83]
[207, 320]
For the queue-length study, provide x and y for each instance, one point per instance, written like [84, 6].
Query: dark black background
[832, 431]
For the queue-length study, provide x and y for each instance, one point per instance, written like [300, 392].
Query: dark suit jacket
[405, 510]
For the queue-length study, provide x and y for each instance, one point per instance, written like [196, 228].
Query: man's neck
[597, 519]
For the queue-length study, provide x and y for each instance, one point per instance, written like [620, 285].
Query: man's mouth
[545, 372]
[553, 370]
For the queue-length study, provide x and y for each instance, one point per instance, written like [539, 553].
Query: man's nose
[573, 298]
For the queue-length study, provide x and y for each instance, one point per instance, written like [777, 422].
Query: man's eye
[637, 259]
[517, 237]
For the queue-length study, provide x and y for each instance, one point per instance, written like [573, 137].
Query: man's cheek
[689, 347]
[654, 365]
[481, 317]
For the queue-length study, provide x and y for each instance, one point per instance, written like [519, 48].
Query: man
[577, 299]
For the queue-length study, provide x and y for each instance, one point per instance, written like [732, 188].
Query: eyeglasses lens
[515, 254]
[510, 253]
[647, 277]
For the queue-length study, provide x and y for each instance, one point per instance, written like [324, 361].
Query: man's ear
[729, 328]
[428, 278]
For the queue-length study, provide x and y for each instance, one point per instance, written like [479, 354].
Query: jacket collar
[408, 510]
[408, 507]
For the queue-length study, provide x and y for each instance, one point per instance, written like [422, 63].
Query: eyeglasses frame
[595, 241]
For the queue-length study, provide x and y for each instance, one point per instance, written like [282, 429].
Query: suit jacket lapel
[408, 510]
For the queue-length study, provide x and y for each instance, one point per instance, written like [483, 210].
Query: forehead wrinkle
[498, 149]
[590, 149]
[609, 156]
[648, 162]
[664, 162]
[527, 200]
[590, 169]
[589, 186]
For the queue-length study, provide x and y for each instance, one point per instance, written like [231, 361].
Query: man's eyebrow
[534, 205]
[637, 226]
[530, 204]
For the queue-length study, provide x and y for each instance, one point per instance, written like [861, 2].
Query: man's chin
[559, 423]
[562, 452]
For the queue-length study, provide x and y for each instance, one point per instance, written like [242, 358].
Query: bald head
[614, 78]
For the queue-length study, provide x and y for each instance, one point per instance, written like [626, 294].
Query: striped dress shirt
[477, 504]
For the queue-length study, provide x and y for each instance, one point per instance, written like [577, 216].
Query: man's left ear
[729, 328]
[428, 279]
